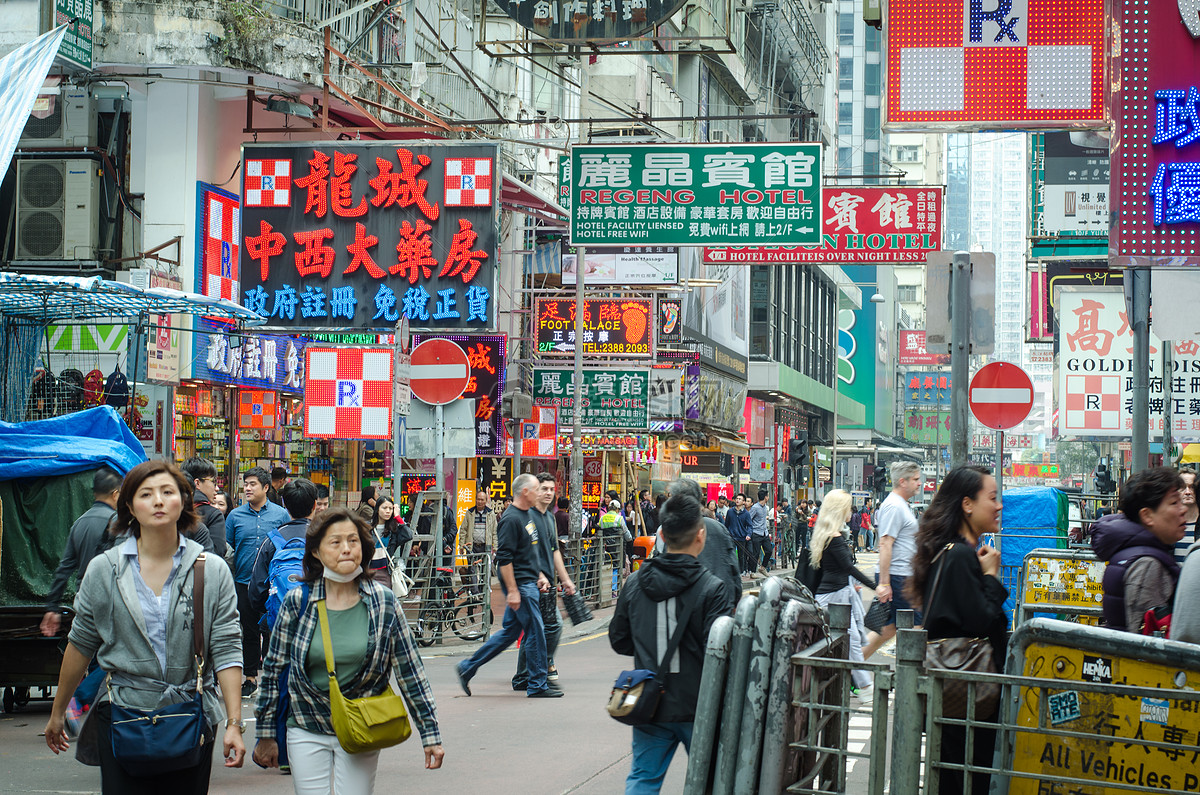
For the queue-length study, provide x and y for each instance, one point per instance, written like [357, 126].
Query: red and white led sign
[966, 63]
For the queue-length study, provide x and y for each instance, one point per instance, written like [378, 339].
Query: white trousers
[846, 596]
[316, 757]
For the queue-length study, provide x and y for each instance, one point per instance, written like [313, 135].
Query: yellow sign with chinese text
[1063, 582]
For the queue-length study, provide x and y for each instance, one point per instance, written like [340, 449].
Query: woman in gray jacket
[134, 614]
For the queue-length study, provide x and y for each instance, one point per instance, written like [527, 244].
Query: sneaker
[464, 681]
[550, 692]
[248, 688]
[520, 685]
[552, 674]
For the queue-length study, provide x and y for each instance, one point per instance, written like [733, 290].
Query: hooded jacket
[647, 614]
[1121, 543]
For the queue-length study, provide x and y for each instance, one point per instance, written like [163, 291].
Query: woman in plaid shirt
[370, 640]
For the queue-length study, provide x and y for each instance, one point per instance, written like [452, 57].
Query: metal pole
[439, 433]
[576, 480]
[908, 714]
[397, 420]
[1000, 463]
[1168, 373]
[960, 350]
[1140, 317]
[833, 449]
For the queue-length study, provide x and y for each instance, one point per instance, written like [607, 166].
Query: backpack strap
[277, 539]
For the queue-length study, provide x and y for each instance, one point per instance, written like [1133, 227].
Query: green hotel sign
[612, 399]
[696, 195]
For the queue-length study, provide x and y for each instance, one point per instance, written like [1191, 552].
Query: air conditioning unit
[58, 209]
[718, 136]
[71, 125]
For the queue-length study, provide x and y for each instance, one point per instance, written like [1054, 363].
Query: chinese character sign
[696, 194]
[76, 47]
[1002, 63]
[1156, 167]
[588, 21]
[929, 389]
[912, 350]
[486, 358]
[927, 427]
[262, 361]
[1075, 180]
[860, 226]
[1095, 372]
[611, 326]
[611, 398]
[218, 243]
[354, 235]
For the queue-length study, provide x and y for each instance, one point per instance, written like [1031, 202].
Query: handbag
[879, 615]
[174, 737]
[636, 694]
[362, 724]
[401, 582]
[577, 609]
[548, 602]
[962, 654]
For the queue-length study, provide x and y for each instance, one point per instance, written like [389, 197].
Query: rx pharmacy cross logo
[995, 23]
[268, 183]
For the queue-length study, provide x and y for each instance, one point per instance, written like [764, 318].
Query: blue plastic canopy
[71, 443]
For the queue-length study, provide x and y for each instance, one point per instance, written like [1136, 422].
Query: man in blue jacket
[737, 522]
[245, 528]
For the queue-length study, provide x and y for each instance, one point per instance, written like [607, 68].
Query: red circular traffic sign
[440, 371]
[1001, 395]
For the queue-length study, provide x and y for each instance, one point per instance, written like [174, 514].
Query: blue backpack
[284, 572]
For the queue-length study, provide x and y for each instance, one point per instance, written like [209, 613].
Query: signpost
[1000, 397]
[439, 374]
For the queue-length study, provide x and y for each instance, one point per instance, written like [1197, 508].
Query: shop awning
[49, 299]
[516, 195]
[22, 73]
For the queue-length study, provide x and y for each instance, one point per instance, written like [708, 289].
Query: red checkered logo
[268, 183]
[1093, 403]
[257, 408]
[538, 434]
[468, 182]
[348, 393]
[221, 235]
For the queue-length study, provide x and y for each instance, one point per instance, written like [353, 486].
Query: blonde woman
[831, 554]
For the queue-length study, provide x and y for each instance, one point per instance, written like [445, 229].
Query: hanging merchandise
[116, 389]
[93, 389]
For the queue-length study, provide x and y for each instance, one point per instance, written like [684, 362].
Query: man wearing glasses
[1188, 497]
[202, 474]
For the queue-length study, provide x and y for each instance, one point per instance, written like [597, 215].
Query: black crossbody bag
[636, 694]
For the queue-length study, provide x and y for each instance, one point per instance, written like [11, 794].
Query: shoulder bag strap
[323, 620]
[937, 575]
[198, 619]
[677, 636]
[390, 563]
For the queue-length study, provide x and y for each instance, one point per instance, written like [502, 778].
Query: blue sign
[929, 389]
[1175, 191]
[259, 361]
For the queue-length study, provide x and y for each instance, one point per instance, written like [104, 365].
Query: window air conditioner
[718, 136]
[71, 125]
[58, 209]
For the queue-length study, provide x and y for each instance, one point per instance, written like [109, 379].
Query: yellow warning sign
[1063, 582]
[1116, 754]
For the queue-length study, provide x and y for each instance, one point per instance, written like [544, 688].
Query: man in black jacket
[202, 474]
[719, 555]
[666, 589]
[86, 539]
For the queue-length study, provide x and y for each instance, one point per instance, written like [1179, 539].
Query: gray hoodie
[1185, 616]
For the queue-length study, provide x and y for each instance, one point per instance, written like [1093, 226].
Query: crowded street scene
[598, 396]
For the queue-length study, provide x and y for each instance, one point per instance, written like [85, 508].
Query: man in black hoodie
[669, 588]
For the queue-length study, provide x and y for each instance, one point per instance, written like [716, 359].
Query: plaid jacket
[390, 647]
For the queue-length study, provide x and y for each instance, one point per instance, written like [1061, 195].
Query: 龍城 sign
[696, 194]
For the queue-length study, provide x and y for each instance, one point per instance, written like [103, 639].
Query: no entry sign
[440, 371]
[1001, 395]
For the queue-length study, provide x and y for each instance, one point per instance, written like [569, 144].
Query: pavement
[497, 739]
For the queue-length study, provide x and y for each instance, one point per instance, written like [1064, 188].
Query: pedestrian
[719, 555]
[615, 535]
[1138, 544]
[710, 509]
[522, 578]
[758, 519]
[552, 564]
[1187, 496]
[1185, 615]
[370, 642]
[366, 504]
[866, 522]
[134, 614]
[897, 543]
[322, 499]
[245, 528]
[202, 474]
[299, 500]
[482, 521]
[969, 598]
[221, 503]
[739, 530]
[722, 507]
[87, 538]
[279, 479]
[672, 600]
[831, 554]
[391, 540]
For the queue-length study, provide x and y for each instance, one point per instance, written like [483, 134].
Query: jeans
[528, 619]
[900, 599]
[553, 634]
[314, 756]
[653, 746]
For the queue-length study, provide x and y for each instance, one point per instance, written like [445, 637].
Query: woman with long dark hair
[969, 598]
[391, 536]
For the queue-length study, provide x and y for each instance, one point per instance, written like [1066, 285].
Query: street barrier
[708, 704]
[735, 693]
[1065, 582]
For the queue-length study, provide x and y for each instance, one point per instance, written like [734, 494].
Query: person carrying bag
[636, 693]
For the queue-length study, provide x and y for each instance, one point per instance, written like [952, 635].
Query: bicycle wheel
[428, 629]
[468, 616]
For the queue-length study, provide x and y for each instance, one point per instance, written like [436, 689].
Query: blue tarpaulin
[1035, 517]
[72, 443]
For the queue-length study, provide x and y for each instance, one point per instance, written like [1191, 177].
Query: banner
[352, 235]
[487, 355]
[263, 361]
[626, 266]
[1075, 196]
[617, 327]
[927, 389]
[912, 350]
[611, 398]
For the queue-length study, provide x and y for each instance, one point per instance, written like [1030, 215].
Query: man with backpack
[278, 567]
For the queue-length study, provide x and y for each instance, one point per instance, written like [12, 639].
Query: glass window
[871, 79]
[845, 113]
[870, 121]
[873, 38]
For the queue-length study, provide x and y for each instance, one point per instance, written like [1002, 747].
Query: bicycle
[443, 605]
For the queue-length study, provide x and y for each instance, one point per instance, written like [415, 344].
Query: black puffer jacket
[656, 595]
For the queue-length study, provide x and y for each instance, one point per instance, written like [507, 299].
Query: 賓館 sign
[696, 194]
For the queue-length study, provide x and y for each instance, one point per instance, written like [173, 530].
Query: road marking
[587, 637]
